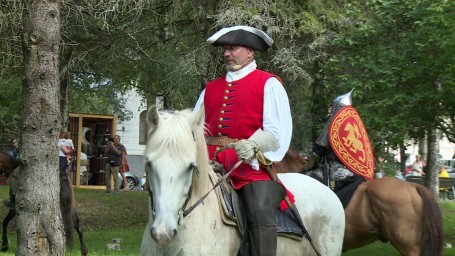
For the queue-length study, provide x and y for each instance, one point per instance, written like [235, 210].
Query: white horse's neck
[201, 181]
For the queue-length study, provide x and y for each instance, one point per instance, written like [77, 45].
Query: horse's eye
[193, 167]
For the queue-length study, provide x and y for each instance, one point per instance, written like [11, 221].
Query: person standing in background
[68, 142]
[443, 172]
[417, 167]
[63, 151]
[114, 151]
[124, 168]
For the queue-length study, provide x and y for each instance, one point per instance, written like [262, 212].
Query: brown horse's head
[291, 162]
[7, 164]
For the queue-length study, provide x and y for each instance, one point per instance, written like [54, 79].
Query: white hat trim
[256, 31]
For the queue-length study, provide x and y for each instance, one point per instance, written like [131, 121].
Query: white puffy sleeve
[277, 117]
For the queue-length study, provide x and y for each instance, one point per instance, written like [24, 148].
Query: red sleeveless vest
[235, 110]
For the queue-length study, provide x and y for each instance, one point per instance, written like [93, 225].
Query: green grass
[104, 217]
[124, 215]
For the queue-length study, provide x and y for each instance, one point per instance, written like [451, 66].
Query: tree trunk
[432, 167]
[40, 230]
[423, 148]
[403, 158]
[64, 101]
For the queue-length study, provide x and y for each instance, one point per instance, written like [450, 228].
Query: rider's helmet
[345, 99]
[339, 102]
[335, 106]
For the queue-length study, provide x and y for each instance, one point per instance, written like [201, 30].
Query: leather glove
[261, 141]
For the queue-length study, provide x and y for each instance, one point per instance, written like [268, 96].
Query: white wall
[129, 132]
[446, 148]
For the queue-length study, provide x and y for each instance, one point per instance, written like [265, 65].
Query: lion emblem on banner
[349, 140]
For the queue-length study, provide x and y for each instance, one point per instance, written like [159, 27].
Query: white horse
[177, 168]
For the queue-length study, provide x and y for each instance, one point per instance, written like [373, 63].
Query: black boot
[262, 199]
[11, 203]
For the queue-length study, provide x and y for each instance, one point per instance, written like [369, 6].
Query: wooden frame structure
[90, 133]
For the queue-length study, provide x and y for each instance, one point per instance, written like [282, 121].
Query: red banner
[349, 140]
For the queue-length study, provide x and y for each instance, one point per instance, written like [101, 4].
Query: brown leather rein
[184, 212]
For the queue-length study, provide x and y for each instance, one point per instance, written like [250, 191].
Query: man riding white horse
[248, 111]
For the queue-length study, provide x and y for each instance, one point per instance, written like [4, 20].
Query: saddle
[233, 211]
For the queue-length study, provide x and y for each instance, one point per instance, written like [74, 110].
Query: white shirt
[60, 143]
[66, 143]
[277, 112]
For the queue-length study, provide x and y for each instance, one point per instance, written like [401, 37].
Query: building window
[143, 128]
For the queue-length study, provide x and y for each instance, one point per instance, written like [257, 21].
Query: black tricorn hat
[242, 35]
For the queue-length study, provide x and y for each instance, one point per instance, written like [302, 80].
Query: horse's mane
[202, 153]
[179, 133]
[172, 134]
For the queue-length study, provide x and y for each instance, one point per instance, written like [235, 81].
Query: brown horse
[389, 209]
[67, 206]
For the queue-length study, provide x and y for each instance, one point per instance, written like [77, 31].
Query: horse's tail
[67, 208]
[432, 230]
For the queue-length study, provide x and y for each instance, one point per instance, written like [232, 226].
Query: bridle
[184, 210]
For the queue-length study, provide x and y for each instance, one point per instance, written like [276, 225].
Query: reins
[217, 184]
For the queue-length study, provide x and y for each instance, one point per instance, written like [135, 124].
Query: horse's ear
[152, 117]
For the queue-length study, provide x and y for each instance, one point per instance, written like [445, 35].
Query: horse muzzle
[163, 236]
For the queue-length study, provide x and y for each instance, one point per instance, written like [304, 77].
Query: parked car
[131, 179]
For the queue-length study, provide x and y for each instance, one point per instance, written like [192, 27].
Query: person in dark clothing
[114, 151]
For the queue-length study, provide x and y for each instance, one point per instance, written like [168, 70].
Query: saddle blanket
[287, 225]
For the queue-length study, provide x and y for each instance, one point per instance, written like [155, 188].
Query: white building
[132, 132]
[446, 151]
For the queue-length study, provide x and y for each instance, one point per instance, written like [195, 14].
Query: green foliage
[398, 55]
[10, 105]
[389, 54]
[448, 218]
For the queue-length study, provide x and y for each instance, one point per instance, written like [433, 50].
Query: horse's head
[171, 160]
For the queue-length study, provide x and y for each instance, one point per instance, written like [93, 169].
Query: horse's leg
[66, 209]
[69, 213]
[8, 218]
[78, 227]
[361, 225]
